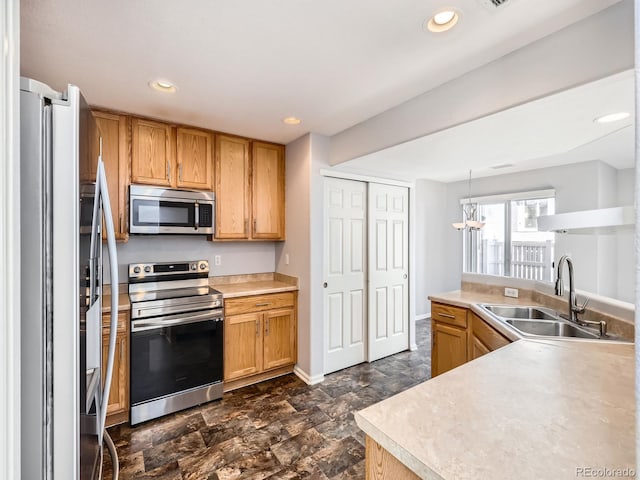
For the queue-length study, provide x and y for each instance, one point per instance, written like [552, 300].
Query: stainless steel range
[176, 338]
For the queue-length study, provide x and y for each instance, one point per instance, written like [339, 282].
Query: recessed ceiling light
[442, 21]
[292, 121]
[612, 117]
[163, 86]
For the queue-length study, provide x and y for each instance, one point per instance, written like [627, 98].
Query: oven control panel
[168, 270]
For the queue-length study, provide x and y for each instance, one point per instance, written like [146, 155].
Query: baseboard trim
[413, 347]
[306, 378]
[424, 316]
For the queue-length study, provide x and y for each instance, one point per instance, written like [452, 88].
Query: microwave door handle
[197, 215]
[113, 267]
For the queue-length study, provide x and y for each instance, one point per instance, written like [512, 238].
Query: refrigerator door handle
[95, 223]
[113, 267]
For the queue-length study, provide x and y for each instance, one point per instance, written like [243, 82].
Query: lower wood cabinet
[118, 403]
[477, 348]
[242, 345]
[380, 464]
[259, 338]
[449, 338]
[449, 348]
[484, 338]
[458, 335]
[279, 338]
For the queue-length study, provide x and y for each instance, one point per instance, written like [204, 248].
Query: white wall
[319, 161]
[297, 243]
[430, 219]
[578, 186]
[236, 257]
[305, 158]
[593, 48]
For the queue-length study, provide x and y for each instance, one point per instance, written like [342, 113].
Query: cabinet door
[152, 153]
[279, 338]
[486, 334]
[449, 348]
[194, 155]
[268, 191]
[242, 345]
[232, 187]
[118, 398]
[477, 348]
[113, 129]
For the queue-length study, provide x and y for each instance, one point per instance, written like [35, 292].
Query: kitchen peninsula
[535, 408]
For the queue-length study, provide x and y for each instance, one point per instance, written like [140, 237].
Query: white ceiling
[241, 66]
[555, 130]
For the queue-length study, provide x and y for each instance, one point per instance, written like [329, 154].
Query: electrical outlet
[511, 292]
[286, 259]
[217, 260]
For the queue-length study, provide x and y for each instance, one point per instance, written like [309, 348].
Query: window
[510, 243]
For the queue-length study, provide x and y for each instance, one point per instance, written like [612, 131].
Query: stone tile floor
[278, 429]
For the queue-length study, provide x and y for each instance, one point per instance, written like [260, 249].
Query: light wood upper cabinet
[232, 187]
[152, 156]
[268, 190]
[114, 131]
[194, 156]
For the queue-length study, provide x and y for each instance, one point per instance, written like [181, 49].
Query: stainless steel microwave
[154, 210]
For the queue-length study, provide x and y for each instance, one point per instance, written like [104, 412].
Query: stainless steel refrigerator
[63, 200]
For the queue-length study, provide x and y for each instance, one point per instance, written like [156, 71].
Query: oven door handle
[173, 321]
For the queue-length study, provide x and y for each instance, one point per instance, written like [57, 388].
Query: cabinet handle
[255, 223]
[257, 329]
[180, 172]
[168, 171]
[262, 304]
[121, 231]
[446, 315]
[266, 332]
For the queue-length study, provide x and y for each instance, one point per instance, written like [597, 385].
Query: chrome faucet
[574, 309]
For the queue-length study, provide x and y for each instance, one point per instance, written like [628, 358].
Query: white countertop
[535, 409]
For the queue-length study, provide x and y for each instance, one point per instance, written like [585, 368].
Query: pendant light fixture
[469, 211]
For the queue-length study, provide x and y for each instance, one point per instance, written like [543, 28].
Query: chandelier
[469, 211]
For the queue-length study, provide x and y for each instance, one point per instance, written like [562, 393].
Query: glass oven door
[175, 353]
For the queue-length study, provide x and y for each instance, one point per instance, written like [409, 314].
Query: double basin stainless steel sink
[539, 321]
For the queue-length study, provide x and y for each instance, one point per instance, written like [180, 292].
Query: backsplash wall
[237, 258]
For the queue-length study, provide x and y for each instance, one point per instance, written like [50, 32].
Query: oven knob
[136, 269]
[194, 266]
[147, 269]
[203, 266]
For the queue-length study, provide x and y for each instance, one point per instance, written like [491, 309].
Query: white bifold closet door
[345, 263]
[388, 224]
[366, 298]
